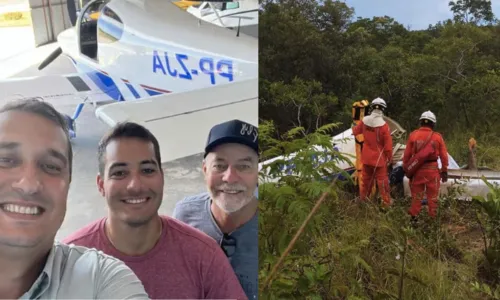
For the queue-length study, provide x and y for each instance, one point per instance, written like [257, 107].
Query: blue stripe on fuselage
[152, 93]
[72, 60]
[106, 84]
[133, 91]
[103, 81]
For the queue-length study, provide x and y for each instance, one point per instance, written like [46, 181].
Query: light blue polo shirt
[75, 272]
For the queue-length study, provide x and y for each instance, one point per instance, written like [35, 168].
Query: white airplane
[127, 50]
[242, 16]
[181, 121]
[344, 143]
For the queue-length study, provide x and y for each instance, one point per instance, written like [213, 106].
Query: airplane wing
[181, 121]
[69, 87]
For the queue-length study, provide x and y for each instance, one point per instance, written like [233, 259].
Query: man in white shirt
[35, 175]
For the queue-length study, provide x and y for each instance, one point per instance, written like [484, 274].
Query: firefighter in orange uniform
[427, 178]
[376, 154]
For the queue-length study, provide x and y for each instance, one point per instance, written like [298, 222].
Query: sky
[417, 14]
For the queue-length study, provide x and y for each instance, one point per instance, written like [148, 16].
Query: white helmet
[428, 115]
[378, 103]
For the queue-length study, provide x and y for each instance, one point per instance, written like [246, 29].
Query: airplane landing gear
[72, 121]
[71, 126]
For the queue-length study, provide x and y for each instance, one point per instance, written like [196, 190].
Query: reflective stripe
[430, 167]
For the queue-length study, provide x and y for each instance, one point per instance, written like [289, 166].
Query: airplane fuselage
[127, 61]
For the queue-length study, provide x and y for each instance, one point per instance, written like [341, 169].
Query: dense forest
[316, 59]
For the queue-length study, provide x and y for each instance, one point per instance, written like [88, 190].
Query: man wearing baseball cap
[228, 210]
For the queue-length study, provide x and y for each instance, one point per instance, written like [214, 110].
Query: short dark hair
[45, 110]
[127, 130]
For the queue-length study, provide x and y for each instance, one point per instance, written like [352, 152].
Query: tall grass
[358, 251]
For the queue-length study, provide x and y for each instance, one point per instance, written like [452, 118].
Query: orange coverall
[375, 156]
[427, 178]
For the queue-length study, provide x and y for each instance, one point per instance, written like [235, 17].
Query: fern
[488, 216]
[352, 251]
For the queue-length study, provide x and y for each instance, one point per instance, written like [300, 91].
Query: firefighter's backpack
[419, 158]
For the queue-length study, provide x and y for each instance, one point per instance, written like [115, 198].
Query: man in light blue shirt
[35, 175]
[228, 211]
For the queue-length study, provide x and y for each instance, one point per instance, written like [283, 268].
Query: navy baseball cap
[234, 131]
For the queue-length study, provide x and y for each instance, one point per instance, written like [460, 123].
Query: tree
[316, 59]
[472, 11]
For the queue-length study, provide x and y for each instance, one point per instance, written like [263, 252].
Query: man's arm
[358, 129]
[220, 281]
[117, 281]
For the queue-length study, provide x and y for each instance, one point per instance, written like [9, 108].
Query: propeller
[72, 12]
[50, 58]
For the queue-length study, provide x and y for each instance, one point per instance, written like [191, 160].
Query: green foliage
[488, 216]
[287, 199]
[349, 251]
[474, 11]
[485, 290]
[315, 61]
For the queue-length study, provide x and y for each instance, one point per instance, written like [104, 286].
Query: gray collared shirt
[75, 272]
[195, 211]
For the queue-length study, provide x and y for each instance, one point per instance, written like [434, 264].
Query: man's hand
[444, 177]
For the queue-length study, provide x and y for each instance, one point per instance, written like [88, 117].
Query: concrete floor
[15, 40]
[183, 177]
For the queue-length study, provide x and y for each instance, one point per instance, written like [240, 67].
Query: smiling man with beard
[228, 211]
[172, 259]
